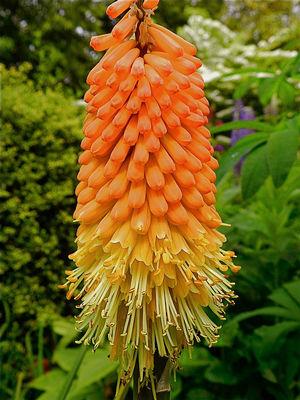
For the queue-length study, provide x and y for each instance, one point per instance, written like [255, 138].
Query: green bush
[40, 139]
[53, 36]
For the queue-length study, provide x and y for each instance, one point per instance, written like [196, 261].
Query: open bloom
[149, 262]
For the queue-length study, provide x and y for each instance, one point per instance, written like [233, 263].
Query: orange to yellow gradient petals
[149, 263]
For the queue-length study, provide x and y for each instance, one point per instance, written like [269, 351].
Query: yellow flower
[149, 262]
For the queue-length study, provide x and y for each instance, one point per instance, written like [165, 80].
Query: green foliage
[262, 18]
[271, 152]
[76, 373]
[242, 147]
[281, 152]
[53, 36]
[40, 139]
[219, 373]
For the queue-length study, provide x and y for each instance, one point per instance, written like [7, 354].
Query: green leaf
[65, 358]
[92, 392]
[270, 335]
[199, 394]
[176, 387]
[249, 124]
[95, 366]
[220, 373]
[271, 311]
[51, 394]
[84, 370]
[286, 93]
[282, 297]
[45, 382]
[227, 334]
[201, 357]
[281, 152]
[269, 375]
[242, 88]
[254, 172]
[63, 327]
[266, 89]
[241, 148]
[293, 288]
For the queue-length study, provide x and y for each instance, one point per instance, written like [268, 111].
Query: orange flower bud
[103, 42]
[147, 4]
[117, 8]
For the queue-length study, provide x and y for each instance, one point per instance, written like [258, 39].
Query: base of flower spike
[149, 294]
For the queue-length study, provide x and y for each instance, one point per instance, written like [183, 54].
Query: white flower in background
[224, 51]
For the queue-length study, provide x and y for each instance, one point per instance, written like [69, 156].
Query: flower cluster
[149, 262]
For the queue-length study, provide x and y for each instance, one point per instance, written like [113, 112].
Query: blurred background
[250, 50]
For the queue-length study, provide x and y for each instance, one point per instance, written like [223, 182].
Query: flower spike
[149, 263]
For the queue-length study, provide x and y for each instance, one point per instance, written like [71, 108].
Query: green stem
[5, 325]
[19, 386]
[30, 356]
[40, 356]
[72, 374]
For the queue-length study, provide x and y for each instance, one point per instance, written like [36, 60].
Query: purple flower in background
[219, 148]
[241, 113]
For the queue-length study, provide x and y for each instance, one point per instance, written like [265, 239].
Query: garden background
[250, 51]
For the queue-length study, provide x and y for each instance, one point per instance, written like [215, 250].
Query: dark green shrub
[40, 138]
[53, 36]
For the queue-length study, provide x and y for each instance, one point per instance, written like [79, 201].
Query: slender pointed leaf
[281, 152]
[254, 172]
[47, 381]
[96, 366]
[267, 88]
[249, 124]
[293, 288]
[286, 93]
[282, 297]
[271, 311]
[242, 147]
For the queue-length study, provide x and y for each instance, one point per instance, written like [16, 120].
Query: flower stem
[161, 374]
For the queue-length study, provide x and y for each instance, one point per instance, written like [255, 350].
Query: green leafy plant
[77, 373]
[270, 152]
[40, 137]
